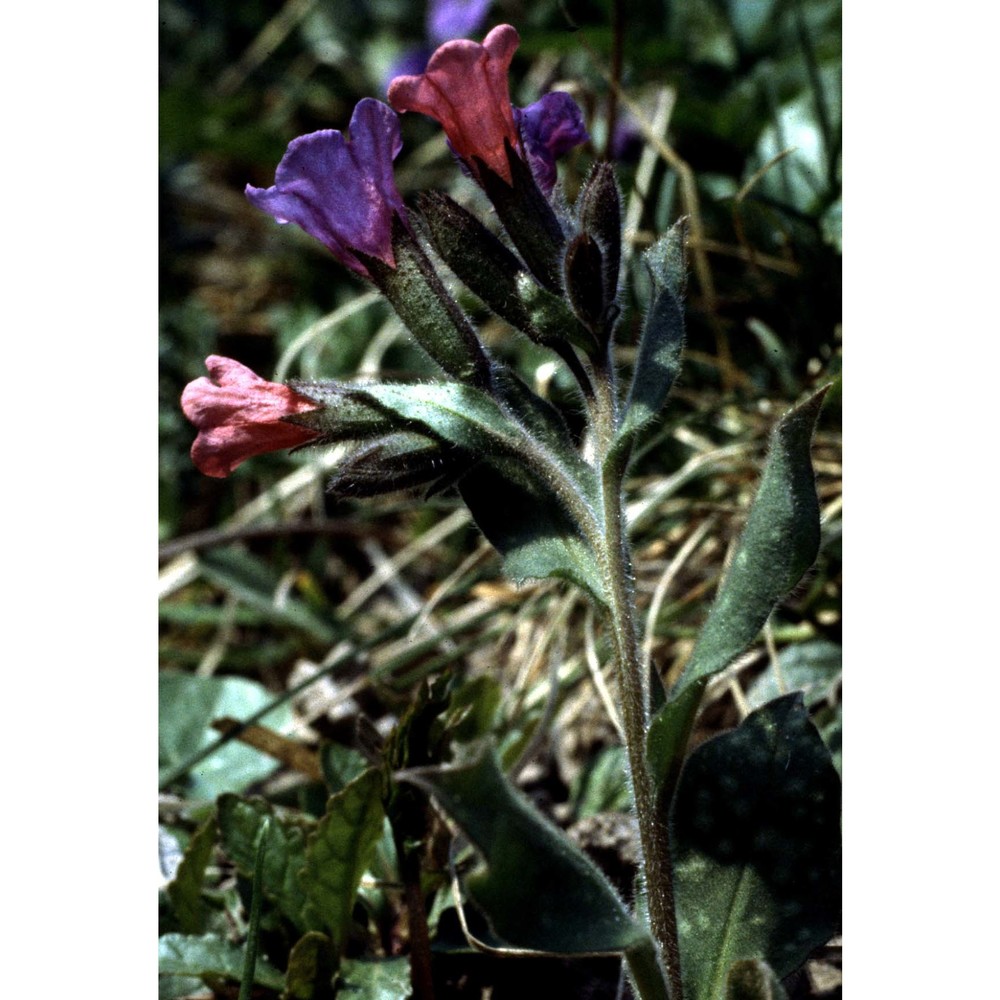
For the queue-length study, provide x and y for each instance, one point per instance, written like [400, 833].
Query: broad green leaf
[380, 979]
[529, 528]
[756, 837]
[184, 890]
[188, 704]
[339, 851]
[538, 890]
[309, 975]
[752, 979]
[459, 414]
[211, 956]
[810, 667]
[239, 821]
[341, 765]
[778, 544]
[254, 583]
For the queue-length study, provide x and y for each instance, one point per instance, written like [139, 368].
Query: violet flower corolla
[239, 414]
[342, 191]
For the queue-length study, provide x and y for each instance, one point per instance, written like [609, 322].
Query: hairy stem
[616, 560]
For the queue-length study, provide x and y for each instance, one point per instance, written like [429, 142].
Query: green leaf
[239, 821]
[188, 704]
[778, 544]
[538, 889]
[756, 825]
[211, 956]
[458, 414]
[184, 891]
[340, 765]
[339, 851]
[552, 320]
[309, 975]
[383, 979]
[752, 979]
[810, 667]
[529, 528]
[658, 361]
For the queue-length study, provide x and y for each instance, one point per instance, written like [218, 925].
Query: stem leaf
[756, 824]
[529, 528]
[778, 544]
[538, 889]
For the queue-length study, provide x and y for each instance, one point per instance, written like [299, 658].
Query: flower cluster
[340, 189]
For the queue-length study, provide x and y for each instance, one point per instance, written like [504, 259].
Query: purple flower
[448, 19]
[550, 127]
[342, 191]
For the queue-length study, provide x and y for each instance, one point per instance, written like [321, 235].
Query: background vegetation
[734, 117]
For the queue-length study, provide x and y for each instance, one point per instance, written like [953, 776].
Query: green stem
[616, 560]
[256, 900]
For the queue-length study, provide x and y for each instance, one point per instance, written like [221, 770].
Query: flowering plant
[738, 871]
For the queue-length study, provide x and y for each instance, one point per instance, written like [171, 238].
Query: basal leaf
[309, 975]
[211, 956]
[778, 544]
[239, 821]
[756, 825]
[188, 704]
[381, 979]
[339, 851]
[184, 891]
[538, 890]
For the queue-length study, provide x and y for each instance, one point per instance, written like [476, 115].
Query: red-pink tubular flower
[238, 414]
[465, 89]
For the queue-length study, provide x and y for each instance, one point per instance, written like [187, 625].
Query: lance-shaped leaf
[529, 528]
[756, 838]
[464, 416]
[239, 821]
[779, 543]
[339, 851]
[538, 889]
[658, 360]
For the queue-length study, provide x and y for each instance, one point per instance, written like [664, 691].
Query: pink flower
[238, 414]
[465, 89]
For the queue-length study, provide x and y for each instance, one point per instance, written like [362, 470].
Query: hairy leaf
[752, 979]
[756, 825]
[538, 889]
[529, 528]
[778, 544]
